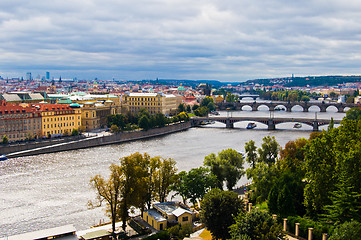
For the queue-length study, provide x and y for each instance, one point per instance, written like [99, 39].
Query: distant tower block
[28, 76]
[47, 75]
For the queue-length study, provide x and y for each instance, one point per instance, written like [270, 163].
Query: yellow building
[59, 119]
[94, 114]
[218, 98]
[166, 213]
[152, 102]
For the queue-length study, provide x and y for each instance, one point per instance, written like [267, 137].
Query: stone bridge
[270, 122]
[341, 107]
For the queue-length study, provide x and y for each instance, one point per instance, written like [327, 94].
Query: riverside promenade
[95, 141]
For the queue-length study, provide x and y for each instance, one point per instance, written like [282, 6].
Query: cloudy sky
[228, 40]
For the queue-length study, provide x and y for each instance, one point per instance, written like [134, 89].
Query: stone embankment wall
[10, 148]
[104, 140]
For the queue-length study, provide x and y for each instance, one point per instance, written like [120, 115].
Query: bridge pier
[315, 126]
[229, 124]
[305, 109]
[271, 124]
[340, 109]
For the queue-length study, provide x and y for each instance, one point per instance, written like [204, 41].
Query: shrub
[305, 223]
[164, 235]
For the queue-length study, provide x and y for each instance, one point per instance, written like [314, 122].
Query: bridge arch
[314, 108]
[298, 108]
[332, 108]
[264, 107]
[280, 107]
[246, 107]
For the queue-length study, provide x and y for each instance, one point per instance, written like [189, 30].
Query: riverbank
[94, 141]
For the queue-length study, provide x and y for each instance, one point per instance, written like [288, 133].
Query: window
[184, 219]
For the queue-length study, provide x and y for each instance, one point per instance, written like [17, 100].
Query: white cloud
[225, 40]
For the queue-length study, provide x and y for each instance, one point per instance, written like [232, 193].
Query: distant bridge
[254, 96]
[341, 107]
[270, 122]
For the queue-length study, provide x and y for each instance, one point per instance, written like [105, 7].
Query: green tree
[333, 95]
[194, 184]
[218, 209]
[263, 178]
[257, 225]
[347, 230]
[305, 98]
[269, 150]
[286, 196]
[354, 114]
[194, 107]
[5, 139]
[205, 101]
[251, 151]
[189, 109]
[181, 108]
[231, 98]
[160, 120]
[226, 166]
[211, 106]
[144, 122]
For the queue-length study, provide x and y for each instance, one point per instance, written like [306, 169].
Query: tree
[181, 108]
[5, 140]
[144, 122]
[269, 150]
[347, 230]
[75, 132]
[195, 106]
[286, 196]
[194, 184]
[160, 120]
[166, 178]
[134, 180]
[255, 225]
[354, 114]
[114, 128]
[226, 166]
[108, 191]
[211, 106]
[218, 209]
[189, 108]
[251, 151]
[333, 95]
[205, 101]
[231, 98]
[305, 98]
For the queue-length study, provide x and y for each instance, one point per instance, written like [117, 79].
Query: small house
[167, 214]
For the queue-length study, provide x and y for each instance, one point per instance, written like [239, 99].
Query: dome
[74, 105]
[181, 88]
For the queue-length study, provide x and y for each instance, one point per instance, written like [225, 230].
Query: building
[167, 214]
[152, 102]
[19, 122]
[58, 119]
[66, 232]
[94, 114]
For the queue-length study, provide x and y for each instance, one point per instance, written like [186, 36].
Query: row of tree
[316, 178]
[287, 95]
[136, 182]
[143, 119]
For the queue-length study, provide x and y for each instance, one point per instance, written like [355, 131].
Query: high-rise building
[28, 76]
[47, 75]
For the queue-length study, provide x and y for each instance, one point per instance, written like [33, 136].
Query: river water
[51, 190]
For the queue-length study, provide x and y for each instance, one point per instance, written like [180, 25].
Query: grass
[206, 235]
[191, 115]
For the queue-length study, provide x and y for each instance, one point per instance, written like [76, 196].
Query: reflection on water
[51, 190]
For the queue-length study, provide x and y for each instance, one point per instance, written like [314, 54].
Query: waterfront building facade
[152, 102]
[19, 122]
[58, 119]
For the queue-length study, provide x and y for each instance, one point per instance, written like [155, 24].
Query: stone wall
[104, 140]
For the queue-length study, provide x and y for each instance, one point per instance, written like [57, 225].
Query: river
[51, 190]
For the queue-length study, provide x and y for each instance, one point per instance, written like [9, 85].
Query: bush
[5, 140]
[305, 223]
[164, 235]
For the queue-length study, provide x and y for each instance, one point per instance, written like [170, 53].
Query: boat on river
[251, 125]
[297, 125]
[3, 158]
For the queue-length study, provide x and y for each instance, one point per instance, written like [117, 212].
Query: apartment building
[19, 122]
[153, 102]
[58, 119]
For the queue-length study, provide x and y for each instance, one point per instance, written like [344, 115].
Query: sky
[226, 40]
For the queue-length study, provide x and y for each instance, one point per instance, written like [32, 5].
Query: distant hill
[185, 82]
[306, 81]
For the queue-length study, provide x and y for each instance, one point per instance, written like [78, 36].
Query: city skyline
[225, 41]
